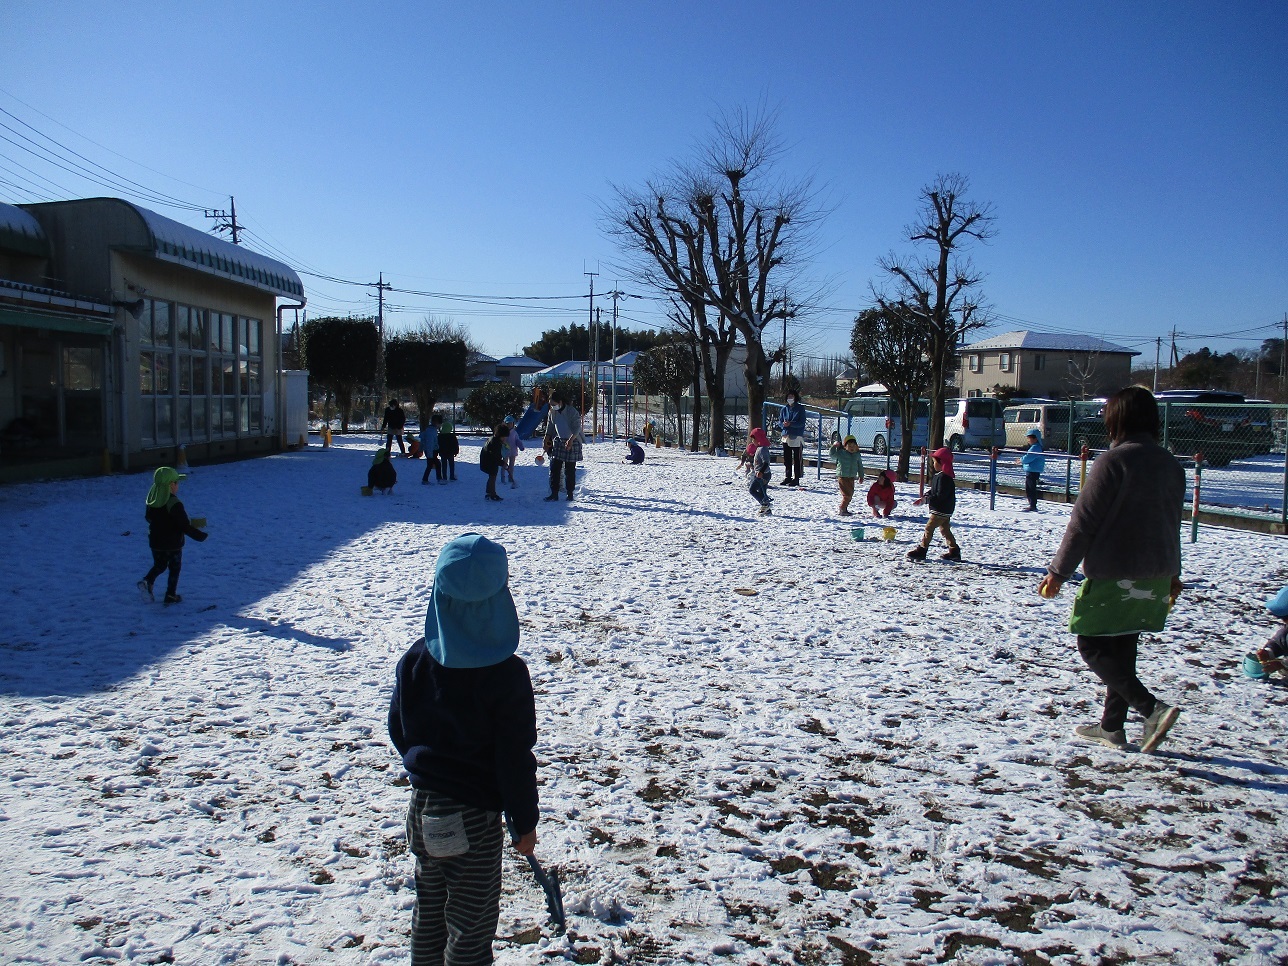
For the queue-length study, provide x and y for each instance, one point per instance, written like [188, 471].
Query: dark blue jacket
[468, 733]
[167, 526]
[942, 498]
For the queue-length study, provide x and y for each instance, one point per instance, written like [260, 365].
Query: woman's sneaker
[1158, 724]
[1114, 739]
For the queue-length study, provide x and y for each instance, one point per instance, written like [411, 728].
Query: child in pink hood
[941, 499]
[756, 439]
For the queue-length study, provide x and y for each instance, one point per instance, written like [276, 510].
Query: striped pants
[458, 880]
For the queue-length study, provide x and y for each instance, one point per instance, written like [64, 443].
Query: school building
[125, 335]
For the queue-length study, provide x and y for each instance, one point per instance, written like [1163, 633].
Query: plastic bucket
[366, 491]
[888, 533]
[856, 533]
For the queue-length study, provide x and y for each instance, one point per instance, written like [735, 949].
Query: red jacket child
[881, 494]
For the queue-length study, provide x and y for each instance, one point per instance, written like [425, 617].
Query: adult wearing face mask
[563, 444]
[792, 420]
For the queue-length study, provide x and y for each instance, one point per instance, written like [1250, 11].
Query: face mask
[791, 400]
[558, 407]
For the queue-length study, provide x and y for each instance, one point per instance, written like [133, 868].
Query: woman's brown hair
[1131, 410]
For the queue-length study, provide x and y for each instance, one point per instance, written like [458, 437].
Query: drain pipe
[281, 402]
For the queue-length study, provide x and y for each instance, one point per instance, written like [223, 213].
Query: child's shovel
[549, 882]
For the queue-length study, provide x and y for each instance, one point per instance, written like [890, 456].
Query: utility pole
[380, 348]
[226, 220]
[616, 295]
[1283, 354]
[594, 363]
[599, 325]
[1158, 349]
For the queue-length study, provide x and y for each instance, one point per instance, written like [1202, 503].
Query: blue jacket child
[1033, 463]
[463, 718]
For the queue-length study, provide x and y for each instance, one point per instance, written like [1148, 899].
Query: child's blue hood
[471, 620]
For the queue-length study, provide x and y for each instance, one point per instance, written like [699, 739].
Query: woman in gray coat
[1125, 530]
[563, 444]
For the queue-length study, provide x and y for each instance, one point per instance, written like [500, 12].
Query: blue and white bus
[874, 421]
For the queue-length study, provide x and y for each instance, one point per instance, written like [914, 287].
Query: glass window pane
[161, 323]
[165, 419]
[253, 424]
[184, 413]
[243, 337]
[146, 382]
[226, 333]
[147, 419]
[243, 368]
[197, 319]
[230, 417]
[162, 363]
[198, 375]
[145, 322]
[182, 326]
[245, 419]
[253, 381]
[199, 417]
[253, 343]
[81, 369]
[229, 371]
[185, 374]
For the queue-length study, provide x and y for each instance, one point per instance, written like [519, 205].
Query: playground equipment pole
[1198, 486]
[992, 479]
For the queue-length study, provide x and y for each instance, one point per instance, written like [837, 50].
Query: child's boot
[954, 553]
[917, 553]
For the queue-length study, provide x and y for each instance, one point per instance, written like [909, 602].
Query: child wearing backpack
[942, 501]
[760, 471]
[493, 458]
[463, 719]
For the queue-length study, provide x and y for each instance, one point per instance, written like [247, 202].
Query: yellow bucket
[888, 533]
[366, 491]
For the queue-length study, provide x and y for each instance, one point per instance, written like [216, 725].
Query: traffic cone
[182, 464]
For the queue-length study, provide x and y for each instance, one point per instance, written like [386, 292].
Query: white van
[875, 424]
[1052, 419]
[973, 423]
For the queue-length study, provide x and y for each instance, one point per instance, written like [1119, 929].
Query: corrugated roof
[1048, 341]
[190, 246]
[520, 362]
[20, 232]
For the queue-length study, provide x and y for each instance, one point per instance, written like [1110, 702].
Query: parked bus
[874, 421]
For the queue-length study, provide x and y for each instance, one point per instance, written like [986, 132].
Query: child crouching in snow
[760, 473]
[1273, 656]
[881, 495]
[942, 501]
[463, 719]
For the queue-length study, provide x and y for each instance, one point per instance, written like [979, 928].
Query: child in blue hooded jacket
[1034, 463]
[463, 718]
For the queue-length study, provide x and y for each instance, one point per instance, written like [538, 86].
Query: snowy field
[760, 741]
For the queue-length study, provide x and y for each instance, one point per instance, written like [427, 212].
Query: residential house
[1043, 364]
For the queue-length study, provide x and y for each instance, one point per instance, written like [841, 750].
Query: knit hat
[945, 457]
[471, 620]
[159, 495]
[1277, 605]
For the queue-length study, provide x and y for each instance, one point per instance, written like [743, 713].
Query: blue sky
[1135, 153]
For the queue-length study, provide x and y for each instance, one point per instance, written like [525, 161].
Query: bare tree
[1081, 377]
[890, 342]
[720, 232]
[939, 290]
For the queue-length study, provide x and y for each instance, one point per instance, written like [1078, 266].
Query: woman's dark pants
[1113, 659]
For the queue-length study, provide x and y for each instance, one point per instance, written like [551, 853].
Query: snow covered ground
[760, 741]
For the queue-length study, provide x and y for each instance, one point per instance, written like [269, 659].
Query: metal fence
[1242, 476]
